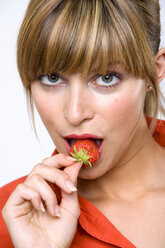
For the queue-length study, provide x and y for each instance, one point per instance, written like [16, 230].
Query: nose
[78, 107]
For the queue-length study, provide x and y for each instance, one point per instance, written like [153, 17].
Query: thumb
[70, 201]
[73, 171]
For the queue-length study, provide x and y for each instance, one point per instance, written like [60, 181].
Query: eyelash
[40, 78]
[93, 81]
[111, 74]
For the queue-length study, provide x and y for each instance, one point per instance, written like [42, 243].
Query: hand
[31, 212]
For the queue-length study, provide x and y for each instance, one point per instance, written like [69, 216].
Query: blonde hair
[70, 36]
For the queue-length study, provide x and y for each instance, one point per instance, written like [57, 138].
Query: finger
[17, 201]
[60, 160]
[54, 175]
[70, 201]
[48, 196]
[73, 171]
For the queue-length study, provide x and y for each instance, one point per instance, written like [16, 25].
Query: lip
[83, 136]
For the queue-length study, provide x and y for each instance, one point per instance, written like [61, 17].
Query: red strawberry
[85, 150]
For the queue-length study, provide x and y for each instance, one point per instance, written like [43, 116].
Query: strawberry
[85, 150]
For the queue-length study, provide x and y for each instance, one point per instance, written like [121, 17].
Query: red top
[94, 230]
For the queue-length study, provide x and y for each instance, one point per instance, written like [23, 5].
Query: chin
[91, 173]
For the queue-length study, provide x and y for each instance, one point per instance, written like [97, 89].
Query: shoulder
[7, 189]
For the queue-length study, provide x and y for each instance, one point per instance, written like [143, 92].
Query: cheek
[129, 106]
[46, 106]
[124, 108]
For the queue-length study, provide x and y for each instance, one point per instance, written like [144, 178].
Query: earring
[149, 87]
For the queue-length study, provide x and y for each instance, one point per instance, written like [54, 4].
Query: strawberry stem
[81, 156]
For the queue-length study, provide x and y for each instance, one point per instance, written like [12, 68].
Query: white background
[19, 148]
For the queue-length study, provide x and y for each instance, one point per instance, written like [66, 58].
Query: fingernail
[71, 159]
[42, 207]
[71, 186]
[57, 210]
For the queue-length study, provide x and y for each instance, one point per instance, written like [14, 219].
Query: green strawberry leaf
[81, 156]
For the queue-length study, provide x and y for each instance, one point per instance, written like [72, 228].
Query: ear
[160, 64]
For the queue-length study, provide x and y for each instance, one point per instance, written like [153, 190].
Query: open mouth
[73, 141]
[69, 142]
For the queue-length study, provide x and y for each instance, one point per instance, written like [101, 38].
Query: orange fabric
[5, 191]
[94, 230]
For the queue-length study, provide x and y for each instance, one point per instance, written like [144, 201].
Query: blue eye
[108, 80]
[51, 80]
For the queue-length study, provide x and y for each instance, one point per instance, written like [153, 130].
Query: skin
[77, 105]
[82, 107]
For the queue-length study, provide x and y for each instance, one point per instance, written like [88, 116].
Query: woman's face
[106, 106]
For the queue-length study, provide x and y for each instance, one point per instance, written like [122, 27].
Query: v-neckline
[98, 225]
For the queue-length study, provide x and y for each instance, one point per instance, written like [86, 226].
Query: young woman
[92, 68]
